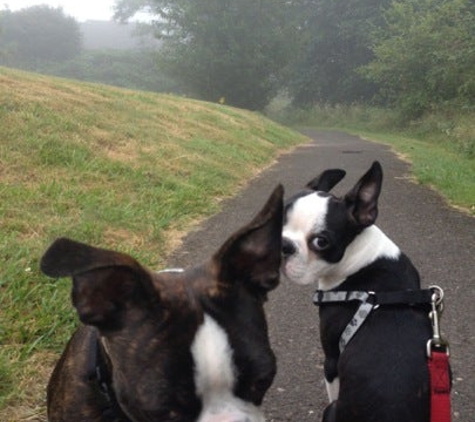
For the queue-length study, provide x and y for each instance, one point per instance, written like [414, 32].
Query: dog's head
[183, 346]
[320, 229]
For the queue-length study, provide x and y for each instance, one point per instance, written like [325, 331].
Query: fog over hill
[99, 35]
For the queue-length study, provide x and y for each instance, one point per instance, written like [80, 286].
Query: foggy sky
[81, 10]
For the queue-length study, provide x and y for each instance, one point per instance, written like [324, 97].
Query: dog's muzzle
[288, 248]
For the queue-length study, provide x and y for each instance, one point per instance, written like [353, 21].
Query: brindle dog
[178, 346]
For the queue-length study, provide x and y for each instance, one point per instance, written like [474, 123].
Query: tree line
[413, 55]
[43, 39]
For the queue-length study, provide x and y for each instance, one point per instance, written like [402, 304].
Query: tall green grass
[116, 168]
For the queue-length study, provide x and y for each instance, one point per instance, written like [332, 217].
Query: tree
[133, 69]
[425, 55]
[337, 44]
[229, 49]
[38, 34]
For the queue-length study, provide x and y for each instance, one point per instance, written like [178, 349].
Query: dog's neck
[371, 244]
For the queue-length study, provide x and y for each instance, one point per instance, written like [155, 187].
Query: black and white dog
[375, 371]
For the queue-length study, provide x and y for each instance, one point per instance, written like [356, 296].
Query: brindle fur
[146, 322]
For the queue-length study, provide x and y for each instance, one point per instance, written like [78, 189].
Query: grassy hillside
[117, 168]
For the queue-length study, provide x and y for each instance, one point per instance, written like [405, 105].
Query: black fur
[383, 370]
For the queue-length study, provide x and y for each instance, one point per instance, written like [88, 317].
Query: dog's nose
[288, 247]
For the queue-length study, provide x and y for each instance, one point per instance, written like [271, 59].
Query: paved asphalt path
[439, 240]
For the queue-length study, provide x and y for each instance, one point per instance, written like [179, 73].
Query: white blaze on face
[215, 377]
[306, 216]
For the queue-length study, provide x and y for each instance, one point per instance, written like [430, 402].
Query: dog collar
[369, 301]
[101, 377]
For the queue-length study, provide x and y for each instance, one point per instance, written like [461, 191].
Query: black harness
[370, 301]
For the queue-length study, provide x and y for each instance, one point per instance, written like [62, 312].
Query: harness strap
[369, 302]
[359, 317]
[404, 297]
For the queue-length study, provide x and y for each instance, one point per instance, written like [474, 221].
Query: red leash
[438, 360]
[439, 386]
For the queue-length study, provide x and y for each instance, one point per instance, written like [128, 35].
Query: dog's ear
[362, 199]
[104, 282]
[252, 255]
[326, 180]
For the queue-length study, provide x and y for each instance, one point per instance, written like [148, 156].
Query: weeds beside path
[440, 145]
[433, 165]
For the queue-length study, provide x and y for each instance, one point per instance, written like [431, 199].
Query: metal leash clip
[437, 341]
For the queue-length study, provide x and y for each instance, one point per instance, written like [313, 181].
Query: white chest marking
[214, 371]
[333, 389]
[215, 376]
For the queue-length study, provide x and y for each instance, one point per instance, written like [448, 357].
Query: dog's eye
[320, 243]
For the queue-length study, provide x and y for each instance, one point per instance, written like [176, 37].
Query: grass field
[116, 168]
[448, 172]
